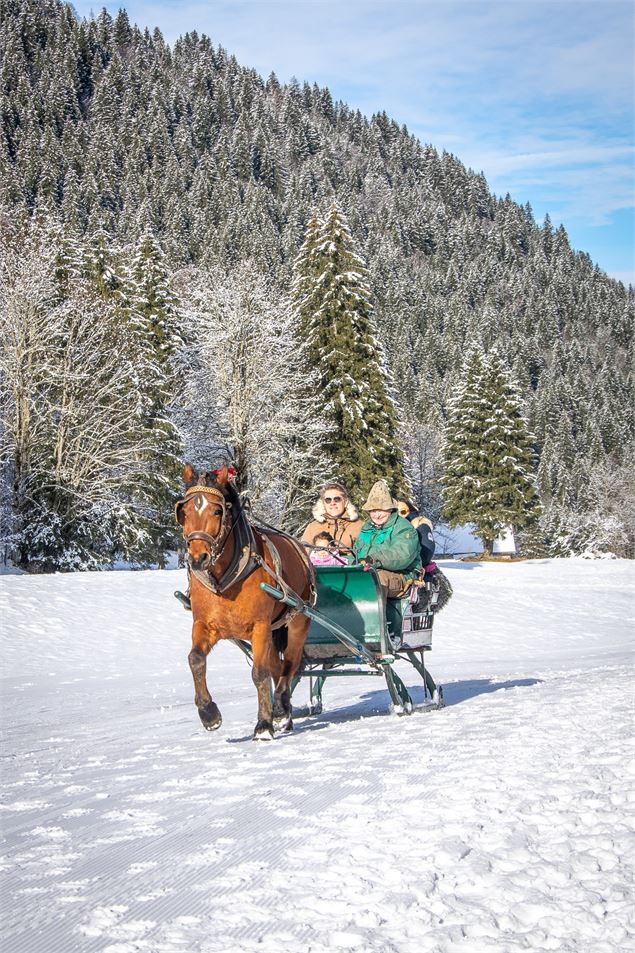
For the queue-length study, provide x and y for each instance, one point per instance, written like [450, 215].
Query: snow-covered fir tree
[488, 475]
[334, 312]
[152, 312]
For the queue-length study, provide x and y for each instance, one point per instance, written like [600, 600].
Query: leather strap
[243, 561]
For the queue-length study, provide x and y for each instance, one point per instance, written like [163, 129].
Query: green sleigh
[353, 633]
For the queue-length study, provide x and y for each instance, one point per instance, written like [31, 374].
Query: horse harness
[246, 558]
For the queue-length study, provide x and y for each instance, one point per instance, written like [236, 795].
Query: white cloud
[580, 181]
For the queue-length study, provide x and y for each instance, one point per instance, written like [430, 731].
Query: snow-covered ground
[499, 823]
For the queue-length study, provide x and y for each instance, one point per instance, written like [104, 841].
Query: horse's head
[205, 514]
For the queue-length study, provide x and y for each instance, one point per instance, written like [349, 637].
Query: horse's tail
[280, 638]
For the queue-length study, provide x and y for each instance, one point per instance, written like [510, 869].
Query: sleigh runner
[353, 633]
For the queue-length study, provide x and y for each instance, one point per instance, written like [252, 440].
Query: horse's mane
[228, 489]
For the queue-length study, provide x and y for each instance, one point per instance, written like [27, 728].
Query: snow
[499, 823]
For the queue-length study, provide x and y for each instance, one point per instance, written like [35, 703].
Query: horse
[228, 559]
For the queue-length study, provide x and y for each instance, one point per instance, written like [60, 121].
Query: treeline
[146, 185]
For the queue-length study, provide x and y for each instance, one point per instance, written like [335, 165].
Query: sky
[537, 94]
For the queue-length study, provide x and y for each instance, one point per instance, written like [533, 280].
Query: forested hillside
[141, 185]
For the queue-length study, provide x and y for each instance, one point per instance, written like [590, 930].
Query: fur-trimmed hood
[350, 513]
[421, 521]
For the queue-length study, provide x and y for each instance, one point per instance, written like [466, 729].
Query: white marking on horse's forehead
[200, 503]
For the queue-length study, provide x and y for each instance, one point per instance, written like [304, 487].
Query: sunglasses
[332, 499]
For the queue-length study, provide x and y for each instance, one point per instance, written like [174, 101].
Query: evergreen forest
[167, 219]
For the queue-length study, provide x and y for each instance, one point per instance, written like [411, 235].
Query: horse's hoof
[283, 724]
[210, 716]
[263, 731]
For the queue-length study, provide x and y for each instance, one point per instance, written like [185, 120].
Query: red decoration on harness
[231, 472]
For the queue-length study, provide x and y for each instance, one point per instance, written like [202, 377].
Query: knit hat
[380, 498]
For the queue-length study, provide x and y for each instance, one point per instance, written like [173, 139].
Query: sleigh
[355, 633]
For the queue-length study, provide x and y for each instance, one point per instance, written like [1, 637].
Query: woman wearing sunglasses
[335, 514]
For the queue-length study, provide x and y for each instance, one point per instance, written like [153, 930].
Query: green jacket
[393, 546]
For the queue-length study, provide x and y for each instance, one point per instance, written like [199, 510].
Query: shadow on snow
[377, 704]
[456, 692]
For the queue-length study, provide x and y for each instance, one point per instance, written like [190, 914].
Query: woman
[334, 514]
[423, 527]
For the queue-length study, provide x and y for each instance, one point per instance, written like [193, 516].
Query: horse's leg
[282, 711]
[207, 709]
[281, 702]
[266, 663]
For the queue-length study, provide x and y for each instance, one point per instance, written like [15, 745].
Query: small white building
[505, 545]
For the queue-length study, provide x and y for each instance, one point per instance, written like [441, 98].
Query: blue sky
[538, 94]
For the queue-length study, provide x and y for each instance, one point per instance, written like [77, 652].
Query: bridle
[215, 543]
[247, 556]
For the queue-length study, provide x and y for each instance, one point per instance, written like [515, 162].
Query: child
[326, 554]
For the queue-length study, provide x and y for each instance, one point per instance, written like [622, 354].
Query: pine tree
[152, 312]
[488, 461]
[334, 312]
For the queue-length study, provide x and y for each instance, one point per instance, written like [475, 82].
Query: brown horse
[228, 559]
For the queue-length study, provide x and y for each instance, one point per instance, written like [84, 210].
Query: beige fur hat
[380, 498]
